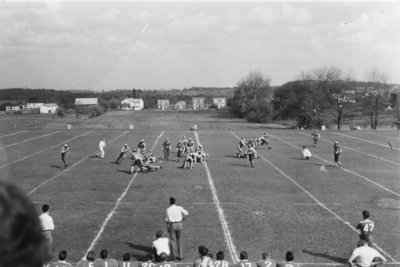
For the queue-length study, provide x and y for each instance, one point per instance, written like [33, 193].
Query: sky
[108, 45]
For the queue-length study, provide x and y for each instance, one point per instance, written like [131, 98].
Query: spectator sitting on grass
[244, 261]
[289, 257]
[220, 262]
[89, 261]
[62, 260]
[161, 245]
[126, 261]
[266, 261]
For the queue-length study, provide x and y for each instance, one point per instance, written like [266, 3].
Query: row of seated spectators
[206, 259]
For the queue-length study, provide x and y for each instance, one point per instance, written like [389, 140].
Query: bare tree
[378, 82]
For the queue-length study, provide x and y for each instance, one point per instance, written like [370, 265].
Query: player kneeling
[306, 153]
[190, 160]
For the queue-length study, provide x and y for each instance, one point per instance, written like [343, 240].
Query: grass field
[284, 203]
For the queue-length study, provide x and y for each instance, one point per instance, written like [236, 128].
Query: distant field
[284, 203]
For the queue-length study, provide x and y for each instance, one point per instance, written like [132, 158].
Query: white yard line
[38, 152]
[30, 139]
[13, 134]
[344, 169]
[112, 212]
[349, 148]
[367, 141]
[76, 163]
[317, 201]
[224, 224]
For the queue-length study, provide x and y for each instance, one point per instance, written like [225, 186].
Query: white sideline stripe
[316, 200]
[12, 134]
[344, 169]
[349, 148]
[224, 224]
[108, 218]
[30, 139]
[64, 171]
[66, 141]
[367, 141]
[313, 204]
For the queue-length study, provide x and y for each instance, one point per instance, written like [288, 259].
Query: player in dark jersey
[167, 147]
[64, 153]
[180, 149]
[122, 154]
[366, 226]
[264, 140]
[62, 260]
[220, 262]
[126, 261]
[89, 261]
[289, 257]
[104, 261]
[266, 261]
[142, 146]
[337, 150]
[244, 261]
[315, 135]
[252, 153]
[190, 146]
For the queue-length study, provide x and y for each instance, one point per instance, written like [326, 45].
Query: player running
[64, 153]
[167, 147]
[315, 135]
[122, 154]
[337, 150]
[102, 145]
[190, 146]
[264, 140]
[252, 153]
[306, 153]
[142, 146]
[180, 149]
[240, 147]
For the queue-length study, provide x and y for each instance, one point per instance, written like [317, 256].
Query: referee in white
[47, 227]
[175, 215]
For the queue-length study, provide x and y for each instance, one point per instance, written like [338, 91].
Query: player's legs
[119, 159]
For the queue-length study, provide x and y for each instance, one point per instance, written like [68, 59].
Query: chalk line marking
[224, 224]
[38, 152]
[349, 148]
[112, 212]
[316, 200]
[13, 134]
[75, 164]
[30, 139]
[367, 141]
[344, 169]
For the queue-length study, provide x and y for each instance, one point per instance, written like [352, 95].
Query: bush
[96, 111]
[60, 112]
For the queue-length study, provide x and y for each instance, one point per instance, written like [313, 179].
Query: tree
[378, 96]
[60, 112]
[252, 98]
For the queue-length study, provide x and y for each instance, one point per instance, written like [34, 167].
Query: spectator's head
[210, 255]
[62, 255]
[159, 234]
[265, 255]
[45, 208]
[220, 255]
[365, 214]
[91, 256]
[172, 200]
[244, 255]
[22, 242]
[289, 256]
[304, 147]
[203, 251]
[163, 256]
[126, 257]
[104, 254]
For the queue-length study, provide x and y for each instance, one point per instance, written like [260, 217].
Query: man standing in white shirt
[161, 245]
[364, 255]
[47, 227]
[102, 145]
[175, 215]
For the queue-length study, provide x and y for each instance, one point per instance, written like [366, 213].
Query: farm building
[83, 105]
[220, 102]
[180, 105]
[50, 108]
[199, 102]
[132, 104]
[162, 104]
[34, 105]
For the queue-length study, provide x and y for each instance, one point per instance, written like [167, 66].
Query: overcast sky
[163, 45]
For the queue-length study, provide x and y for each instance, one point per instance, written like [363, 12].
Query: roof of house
[133, 100]
[86, 101]
[181, 103]
[395, 89]
[51, 105]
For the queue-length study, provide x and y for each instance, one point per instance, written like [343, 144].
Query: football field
[283, 203]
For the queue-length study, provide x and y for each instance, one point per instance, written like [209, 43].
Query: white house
[162, 103]
[220, 102]
[34, 105]
[132, 104]
[180, 105]
[199, 102]
[50, 108]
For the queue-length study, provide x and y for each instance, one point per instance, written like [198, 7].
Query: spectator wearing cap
[122, 154]
[64, 153]
[161, 245]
